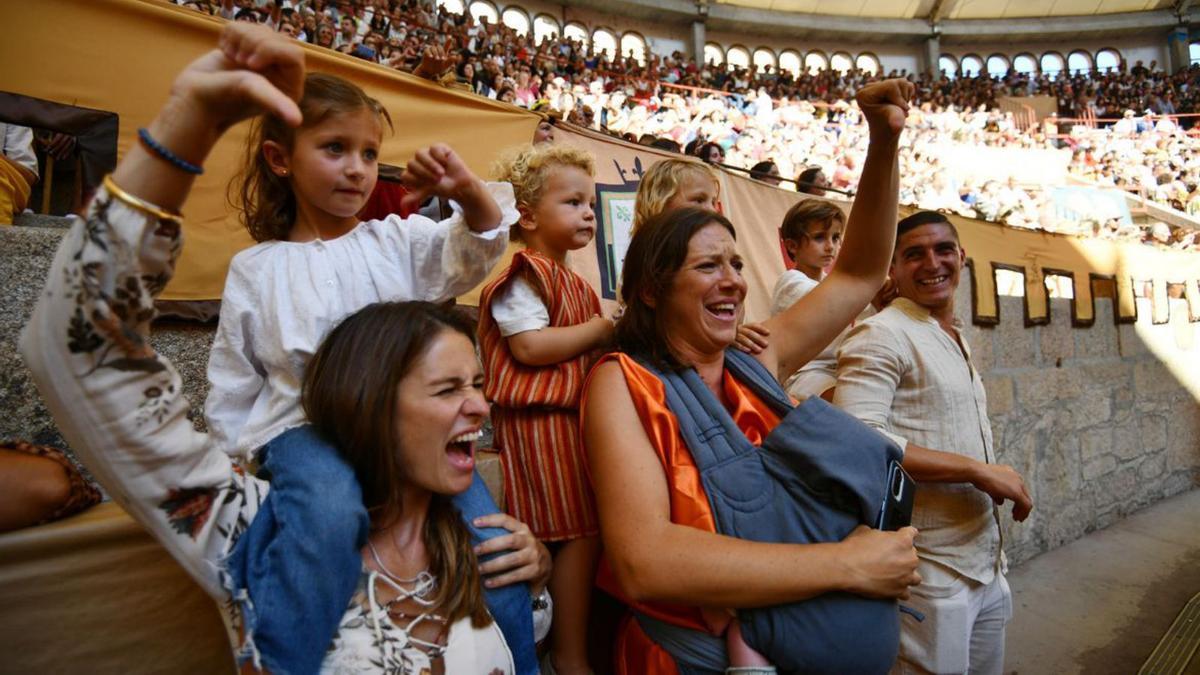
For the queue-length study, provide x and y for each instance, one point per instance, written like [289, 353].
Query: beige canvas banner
[122, 55]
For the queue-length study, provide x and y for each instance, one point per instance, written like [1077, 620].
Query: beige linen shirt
[899, 372]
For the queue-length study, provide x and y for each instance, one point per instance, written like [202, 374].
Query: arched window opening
[841, 62]
[604, 41]
[545, 27]
[868, 63]
[738, 56]
[484, 9]
[1052, 64]
[713, 54]
[1025, 64]
[791, 62]
[997, 65]
[815, 62]
[971, 65]
[763, 58]
[516, 19]
[1079, 62]
[634, 46]
[948, 65]
[577, 32]
[1108, 60]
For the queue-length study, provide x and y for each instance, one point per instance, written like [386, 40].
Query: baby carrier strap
[750, 372]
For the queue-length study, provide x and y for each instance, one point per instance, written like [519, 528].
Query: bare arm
[805, 328]
[655, 559]
[1001, 482]
[550, 345]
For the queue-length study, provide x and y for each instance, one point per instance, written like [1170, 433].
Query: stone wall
[1101, 421]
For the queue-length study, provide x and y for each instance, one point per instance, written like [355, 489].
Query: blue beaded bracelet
[165, 154]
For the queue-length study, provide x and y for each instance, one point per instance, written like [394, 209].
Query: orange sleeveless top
[635, 653]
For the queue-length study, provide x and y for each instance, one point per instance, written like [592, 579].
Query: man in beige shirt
[907, 371]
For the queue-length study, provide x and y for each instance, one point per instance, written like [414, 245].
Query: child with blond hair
[675, 183]
[539, 327]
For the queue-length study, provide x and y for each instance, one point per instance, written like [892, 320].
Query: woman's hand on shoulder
[527, 558]
[885, 105]
[880, 564]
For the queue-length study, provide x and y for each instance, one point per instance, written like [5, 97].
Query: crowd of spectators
[784, 124]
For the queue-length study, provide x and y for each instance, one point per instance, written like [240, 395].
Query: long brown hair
[266, 201]
[349, 395]
[656, 252]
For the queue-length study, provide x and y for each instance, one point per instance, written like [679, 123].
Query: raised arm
[657, 560]
[116, 401]
[804, 329]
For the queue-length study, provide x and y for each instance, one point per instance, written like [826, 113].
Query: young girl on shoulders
[539, 326]
[314, 264]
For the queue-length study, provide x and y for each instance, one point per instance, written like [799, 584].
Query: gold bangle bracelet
[140, 204]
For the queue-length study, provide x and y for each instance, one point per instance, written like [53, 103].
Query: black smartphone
[896, 511]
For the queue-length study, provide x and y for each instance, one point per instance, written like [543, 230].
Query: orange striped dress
[535, 410]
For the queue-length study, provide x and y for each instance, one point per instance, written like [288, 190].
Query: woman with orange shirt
[684, 296]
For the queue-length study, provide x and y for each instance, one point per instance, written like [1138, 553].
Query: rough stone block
[1096, 442]
[1059, 476]
[1151, 379]
[1127, 443]
[1093, 407]
[1068, 524]
[1038, 388]
[1000, 396]
[1152, 467]
[1131, 343]
[1108, 375]
[1152, 430]
[1015, 351]
[1094, 467]
[1183, 443]
[1015, 345]
[1116, 489]
[981, 342]
[1057, 340]
[1100, 339]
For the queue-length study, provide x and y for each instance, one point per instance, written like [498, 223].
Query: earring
[283, 172]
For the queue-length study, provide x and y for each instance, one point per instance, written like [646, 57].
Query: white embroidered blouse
[120, 406]
[282, 297]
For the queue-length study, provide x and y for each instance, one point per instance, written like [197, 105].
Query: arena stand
[1096, 390]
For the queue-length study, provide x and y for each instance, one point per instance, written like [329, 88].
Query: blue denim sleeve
[299, 559]
[511, 606]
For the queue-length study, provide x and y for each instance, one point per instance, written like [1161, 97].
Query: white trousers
[963, 631]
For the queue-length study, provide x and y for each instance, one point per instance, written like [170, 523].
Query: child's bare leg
[743, 657]
[571, 587]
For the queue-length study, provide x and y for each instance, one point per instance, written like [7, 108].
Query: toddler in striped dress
[539, 327]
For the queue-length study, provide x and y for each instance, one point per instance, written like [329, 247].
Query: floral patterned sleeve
[119, 404]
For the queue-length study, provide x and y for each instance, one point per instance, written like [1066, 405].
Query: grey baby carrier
[817, 476]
